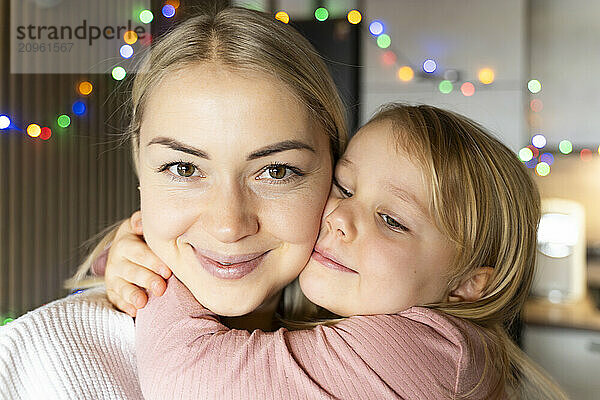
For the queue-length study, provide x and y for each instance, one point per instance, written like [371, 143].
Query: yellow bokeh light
[34, 130]
[486, 76]
[85, 88]
[283, 17]
[405, 73]
[130, 37]
[354, 17]
[174, 3]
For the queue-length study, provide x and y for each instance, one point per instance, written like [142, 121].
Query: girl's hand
[131, 266]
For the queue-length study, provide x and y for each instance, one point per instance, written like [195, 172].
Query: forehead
[209, 102]
[382, 161]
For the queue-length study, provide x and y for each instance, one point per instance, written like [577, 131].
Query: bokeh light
[405, 73]
[586, 155]
[542, 169]
[45, 133]
[548, 158]
[534, 86]
[445, 87]
[85, 88]
[63, 120]
[34, 130]
[4, 122]
[536, 105]
[534, 150]
[486, 76]
[146, 16]
[376, 28]
[384, 41]
[354, 17]
[282, 16]
[467, 89]
[538, 141]
[429, 66]
[525, 154]
[130, 37]
[79, 107]
[174, 3]
[321, 14]
[388, 58]
[565, 146]
[118, 73]
[126, 51]
[531, 163]
[7, 320]
[168, 10]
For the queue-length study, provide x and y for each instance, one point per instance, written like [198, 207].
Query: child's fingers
[140, 276]
[137, 251]
[128, 292]
[121, 304]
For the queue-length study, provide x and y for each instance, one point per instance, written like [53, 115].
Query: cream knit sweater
[77, 347]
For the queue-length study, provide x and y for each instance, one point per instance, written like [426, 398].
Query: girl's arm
[183, 351]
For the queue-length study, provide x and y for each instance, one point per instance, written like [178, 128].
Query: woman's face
[234, 177]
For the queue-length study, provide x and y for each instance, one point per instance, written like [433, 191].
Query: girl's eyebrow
[405, 196]
[262, 152]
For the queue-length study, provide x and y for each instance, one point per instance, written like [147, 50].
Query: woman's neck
[261, 318]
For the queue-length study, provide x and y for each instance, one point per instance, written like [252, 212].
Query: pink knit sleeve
[184, 352]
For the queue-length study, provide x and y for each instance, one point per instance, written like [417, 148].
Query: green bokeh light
[542, 169]
[534, 86]
[446, 86]
[525, 154]
[384, 41]
[146, 16]
[118, 73]
[64, 121]
[565, 147]
[321, 14]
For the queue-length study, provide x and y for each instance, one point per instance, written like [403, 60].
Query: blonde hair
[484, 200]
[244, 41]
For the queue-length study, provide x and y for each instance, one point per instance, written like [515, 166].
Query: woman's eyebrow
[176, 145]
[279, 147]
[262, 152]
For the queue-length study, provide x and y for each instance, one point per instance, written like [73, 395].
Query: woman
[243, 103]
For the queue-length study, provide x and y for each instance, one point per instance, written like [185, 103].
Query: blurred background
[526, 69]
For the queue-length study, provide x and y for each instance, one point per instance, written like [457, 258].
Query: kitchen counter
[579, 315]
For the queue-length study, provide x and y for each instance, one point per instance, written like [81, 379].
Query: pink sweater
[184, 352]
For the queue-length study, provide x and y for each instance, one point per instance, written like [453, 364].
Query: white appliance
[561, 252]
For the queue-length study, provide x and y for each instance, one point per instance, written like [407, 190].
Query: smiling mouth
[328, 260]
[229, 267]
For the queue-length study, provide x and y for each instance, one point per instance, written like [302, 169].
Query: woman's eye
[180, 171]
[279, 173]
[341, 189]
[392, 223]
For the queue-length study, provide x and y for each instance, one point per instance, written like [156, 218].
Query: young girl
[427, 247]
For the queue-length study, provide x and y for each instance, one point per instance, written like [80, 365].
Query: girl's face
[234, 177]
[378, 250]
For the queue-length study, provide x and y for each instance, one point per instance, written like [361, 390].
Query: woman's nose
[231, 215]
[340, 221]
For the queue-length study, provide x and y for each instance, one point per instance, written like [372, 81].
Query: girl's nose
[340, 221]
[230, 216]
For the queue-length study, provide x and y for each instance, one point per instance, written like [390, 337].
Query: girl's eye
[344, 192]
[180, 171]
[279, 173]
[393, 224]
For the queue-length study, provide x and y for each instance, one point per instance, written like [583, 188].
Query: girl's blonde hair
[243, 41]
[484, 200]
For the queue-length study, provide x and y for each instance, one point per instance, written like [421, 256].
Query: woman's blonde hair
[244, 41]
[484, 200]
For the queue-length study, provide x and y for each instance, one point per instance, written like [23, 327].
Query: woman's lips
[328, 260]
[237, 266]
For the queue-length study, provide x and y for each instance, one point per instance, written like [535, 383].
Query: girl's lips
[328, 260]
[239, 267]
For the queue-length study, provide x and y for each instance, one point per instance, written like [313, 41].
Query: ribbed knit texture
[77, 347]
[183, 352]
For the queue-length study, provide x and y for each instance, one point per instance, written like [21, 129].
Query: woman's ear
[471, 289]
